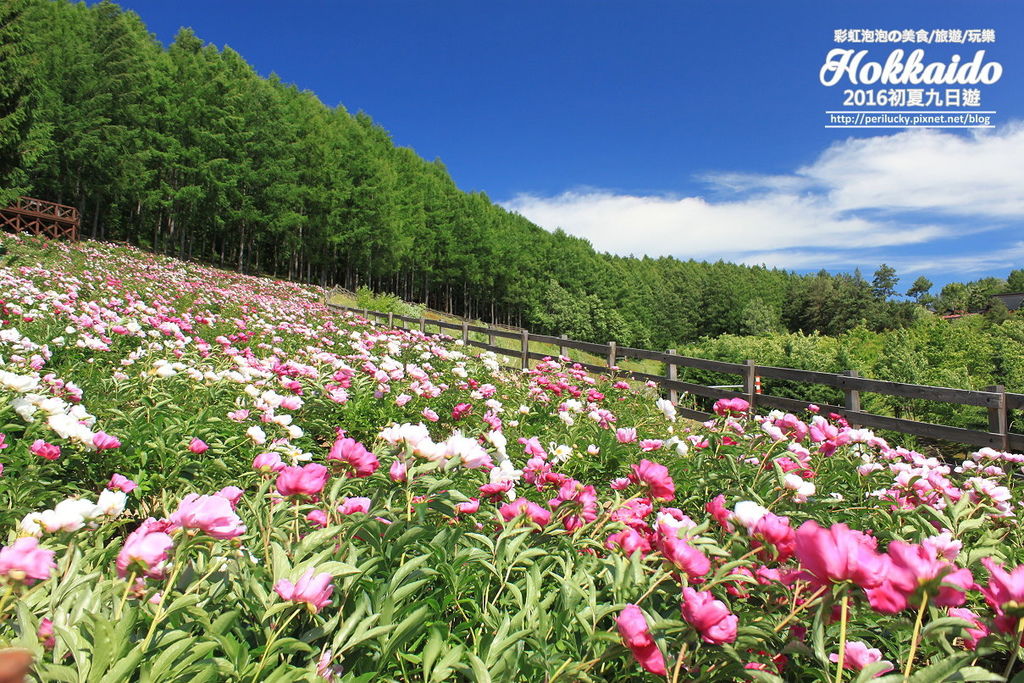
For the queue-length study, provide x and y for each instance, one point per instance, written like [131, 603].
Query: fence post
[423, 324]
[465, 332]
[524, 354]
[563, 351]
[673, 373]
[391, 318]
[749, 376]
[612, 352]
[490, 335]
[851, 397]
[998, 419]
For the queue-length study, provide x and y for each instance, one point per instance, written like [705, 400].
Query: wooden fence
[40, 217]
[994, 399]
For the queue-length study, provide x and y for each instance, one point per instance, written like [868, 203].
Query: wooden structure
[41, 217]
[997, 402]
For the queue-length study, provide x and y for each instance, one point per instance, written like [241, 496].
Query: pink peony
[629, 541]
[397, 471]
[45, 450]
[317, 518]
[312, 589]
[350, 506]
[268, 462]
[625, 434]
[308, 480]
[1004, 594]
[914, 570]
[212, 515]
[838, 554]
[684, 556]
[710, 617]
[637, 637]
[858, 655]
[469, 507]
[24, 561]
[120, 482]
[521, 506]
[656, 477]
[362, 462]
[197, 446]
[232, 493]
[731, 406]
[102, 441]
[774, 531]
[144, 551]
[716, 508]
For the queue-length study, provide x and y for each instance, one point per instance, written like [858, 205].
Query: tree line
[185, 150]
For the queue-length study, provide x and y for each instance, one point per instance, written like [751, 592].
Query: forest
[185, 150]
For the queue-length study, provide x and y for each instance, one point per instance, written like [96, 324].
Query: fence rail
[40, 217]
[994, 399]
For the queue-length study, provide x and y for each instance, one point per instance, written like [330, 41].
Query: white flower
[498, 440]
[257, 434]
[30, 525]
[667, 409]
[68, 515]
[748, 513]
[111, 503]
[24, 409]
[466, 450]
[802, 490]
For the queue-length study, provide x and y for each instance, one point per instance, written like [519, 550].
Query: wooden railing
[997, 402]
[41, 217]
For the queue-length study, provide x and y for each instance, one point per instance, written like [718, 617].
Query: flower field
[210, 476]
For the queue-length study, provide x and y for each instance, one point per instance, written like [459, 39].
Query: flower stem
[1016, 649]
[272, 640]
[124, 596]
[800, 608]
[845, 605]
[913, 640]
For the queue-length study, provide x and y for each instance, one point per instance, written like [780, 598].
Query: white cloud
[877, 194]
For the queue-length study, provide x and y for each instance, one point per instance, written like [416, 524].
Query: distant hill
[187, 151]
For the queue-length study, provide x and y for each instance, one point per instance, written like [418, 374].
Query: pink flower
[975, 629]
[521, 506]
[45, 634]
[1004, 594]
[102, 441]
[776, 532]
[637, 636]
[716, 508]
[312, 589]
[914, 570]
[317, 518]
[683, 556]
[469, 507]
[625, 434]
[238, 415]
[710, 617]
[354, 454]
[232, 494]
[45, 450]
[268, 462]
[532, 447]
[731, 406]
[461, 410]
[144, 551]
[838, 554]
[630, 541]
[858, 655]
[620, 483]
[656, 477]
[308, 480]
[648, 445]
[350, 506]
[430, 415]
[197, 446]
[24, 561]
[397, 471]
[119, 482]
[210, 514]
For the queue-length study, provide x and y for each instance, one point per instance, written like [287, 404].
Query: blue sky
[686, 128]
